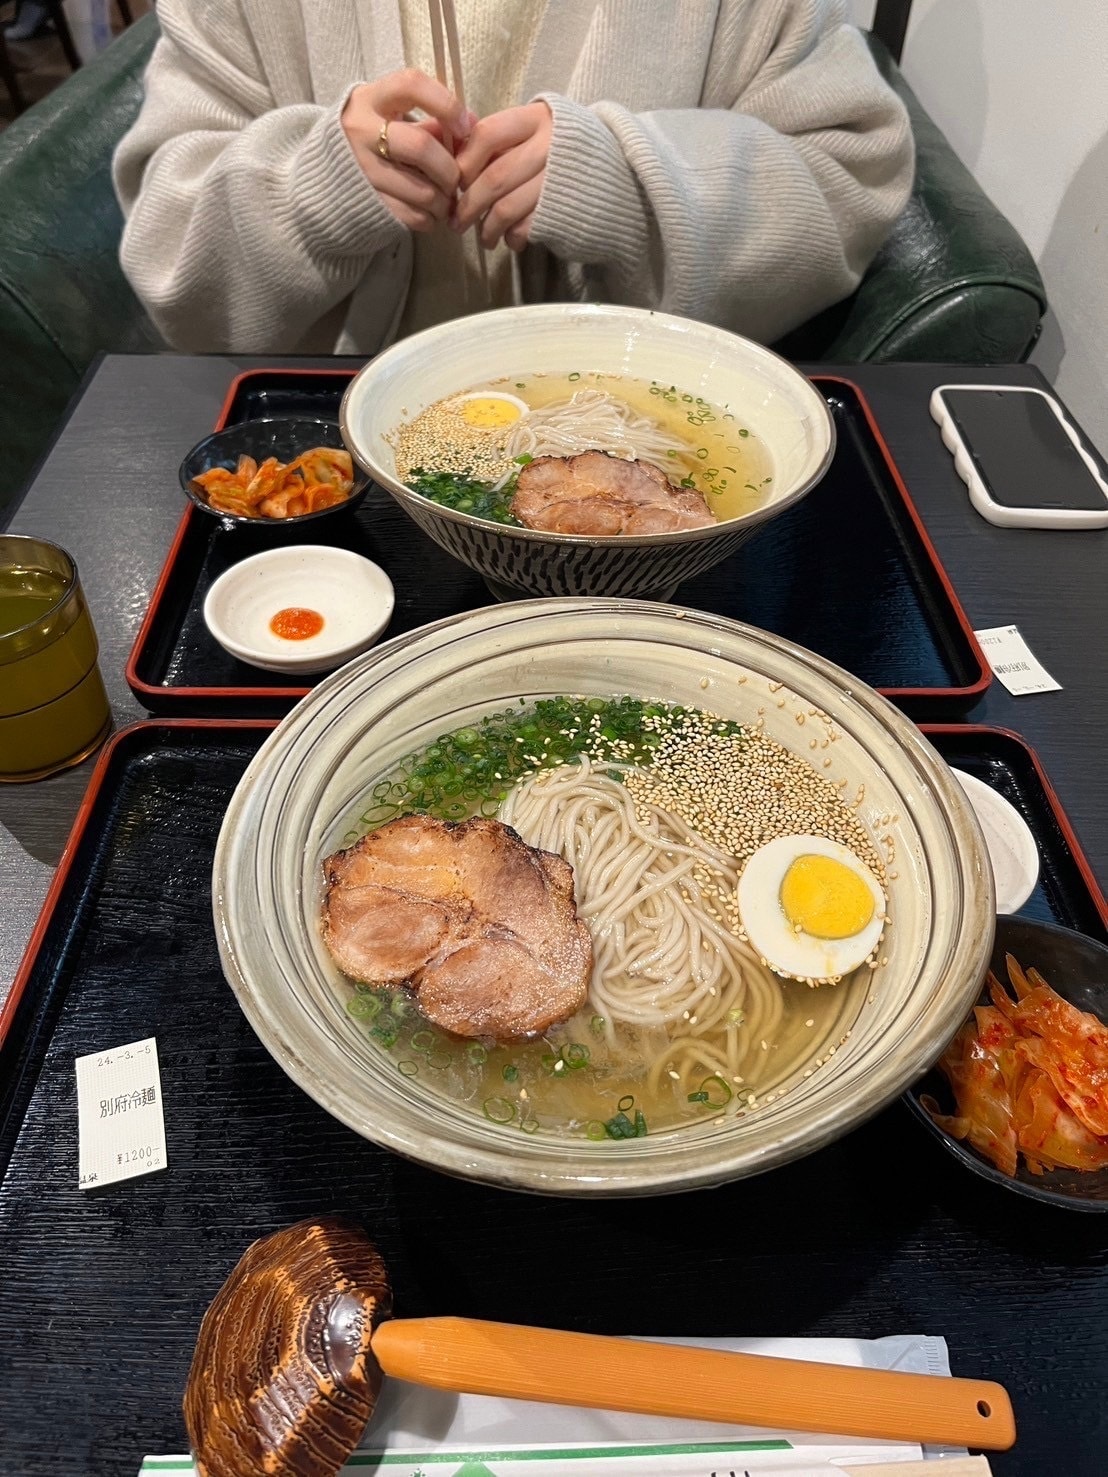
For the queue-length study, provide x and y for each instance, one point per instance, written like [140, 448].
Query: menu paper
[417, 1432]
[121, 1131]
[1013, 661]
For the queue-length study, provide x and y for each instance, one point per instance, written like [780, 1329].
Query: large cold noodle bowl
[604, 917]
[585, 453]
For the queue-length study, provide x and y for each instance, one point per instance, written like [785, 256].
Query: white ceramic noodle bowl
[774, 400]
[294, 806]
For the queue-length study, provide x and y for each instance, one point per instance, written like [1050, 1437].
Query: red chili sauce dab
[294, 623]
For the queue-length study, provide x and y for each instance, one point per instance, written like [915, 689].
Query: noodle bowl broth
[695, 443]
[684, 1022]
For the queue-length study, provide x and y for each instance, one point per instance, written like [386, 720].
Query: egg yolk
[489, 412]
[823, 897]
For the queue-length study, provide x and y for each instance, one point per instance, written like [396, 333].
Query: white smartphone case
[996, 512]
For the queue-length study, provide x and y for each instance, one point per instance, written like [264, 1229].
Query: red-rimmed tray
[900, 628]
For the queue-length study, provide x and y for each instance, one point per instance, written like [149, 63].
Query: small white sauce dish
[353, 595]
[1012, 849]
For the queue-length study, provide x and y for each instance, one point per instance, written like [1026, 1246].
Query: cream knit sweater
[737, 161]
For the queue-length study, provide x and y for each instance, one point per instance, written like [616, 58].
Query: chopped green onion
[621, 1127]
[363, 1007]
[595, 1130]
[476, 1053]
[575, 1055]
[529, 1125]
[407, 1068]
[698, 1097]
[625, 1103]
[424, 1041]
[596, 1025]
[510, 1073]
[717, 1092]
[499, 1109]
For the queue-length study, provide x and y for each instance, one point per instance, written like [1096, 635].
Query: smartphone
[1021, 457]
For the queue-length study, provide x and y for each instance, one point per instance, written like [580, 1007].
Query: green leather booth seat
[63, 297]
[954, 282]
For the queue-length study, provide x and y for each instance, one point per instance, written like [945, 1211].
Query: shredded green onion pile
[467, 495]
[470, 771]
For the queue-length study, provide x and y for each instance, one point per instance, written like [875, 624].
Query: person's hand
[413, 171]
[502, 167]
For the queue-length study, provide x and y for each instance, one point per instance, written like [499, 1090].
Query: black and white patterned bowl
[775, 401]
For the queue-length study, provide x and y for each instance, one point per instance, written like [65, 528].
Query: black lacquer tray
[102, 1293]
[849, 572]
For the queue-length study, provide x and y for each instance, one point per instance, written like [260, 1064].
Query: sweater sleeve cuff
[339, 213]
[591, 208]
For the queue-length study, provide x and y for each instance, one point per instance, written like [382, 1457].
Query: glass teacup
[53, 708]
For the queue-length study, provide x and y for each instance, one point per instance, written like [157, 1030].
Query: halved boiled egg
[812, 910]
[491, 410]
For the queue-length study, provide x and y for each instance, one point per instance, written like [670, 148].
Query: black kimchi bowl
[1075, 967]
[283, 437]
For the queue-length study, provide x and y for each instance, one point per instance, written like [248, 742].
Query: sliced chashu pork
[480, 925]
[598, 495]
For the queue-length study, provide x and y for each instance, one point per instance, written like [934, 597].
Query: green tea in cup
[53, 708]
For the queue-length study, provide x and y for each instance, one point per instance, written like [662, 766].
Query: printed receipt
[1013, 661]
[121, 1131]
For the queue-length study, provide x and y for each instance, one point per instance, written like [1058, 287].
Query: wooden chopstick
[439, 49]
[444, 18]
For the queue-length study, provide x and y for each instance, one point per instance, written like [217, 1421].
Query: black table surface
[916, 1245]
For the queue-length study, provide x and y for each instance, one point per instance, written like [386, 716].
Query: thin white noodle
[592, 420]
[662, 955]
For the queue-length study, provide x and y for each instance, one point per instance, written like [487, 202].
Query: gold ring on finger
[383, 141]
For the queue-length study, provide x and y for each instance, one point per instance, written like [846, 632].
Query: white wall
[1020, 88]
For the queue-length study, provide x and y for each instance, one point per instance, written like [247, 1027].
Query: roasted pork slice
[481, 926]
[598, 495]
